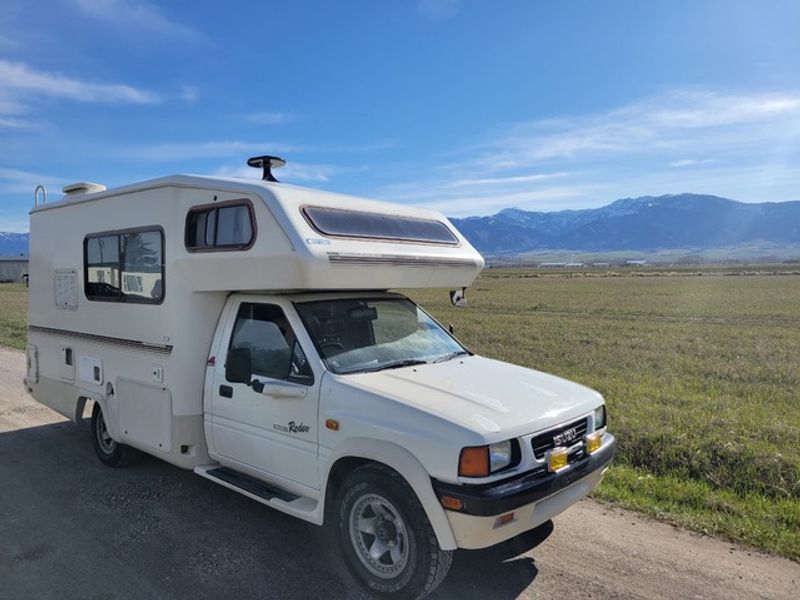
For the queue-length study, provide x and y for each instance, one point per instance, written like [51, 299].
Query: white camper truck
[244, 329]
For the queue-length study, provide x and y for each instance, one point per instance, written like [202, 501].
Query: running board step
[249, 484]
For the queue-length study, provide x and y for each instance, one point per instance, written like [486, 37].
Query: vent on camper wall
[267, 163]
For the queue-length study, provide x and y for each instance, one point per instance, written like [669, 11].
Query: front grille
[545, 441]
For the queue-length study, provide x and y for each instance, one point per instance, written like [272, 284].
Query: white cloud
[692, 162]
[16, 123]
[671, 121]
[17, 79]
[269, 118]
[17, 181]
[136, 16]
[438, 10]
[503, 180]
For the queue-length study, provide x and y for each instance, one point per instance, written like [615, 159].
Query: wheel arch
[357, 452]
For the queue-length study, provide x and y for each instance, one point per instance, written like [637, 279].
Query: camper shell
[139, 294]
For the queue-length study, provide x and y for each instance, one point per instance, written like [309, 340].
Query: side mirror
[458, 298]
[239, 366]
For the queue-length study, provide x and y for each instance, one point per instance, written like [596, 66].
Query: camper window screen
[125, 267]
[356, 224]
[219, 227]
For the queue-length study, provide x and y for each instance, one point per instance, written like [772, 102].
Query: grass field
[13, 315]
[700, 370]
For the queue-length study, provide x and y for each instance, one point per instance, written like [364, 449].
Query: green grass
[13, 315]
[701, 374]
[700, 370]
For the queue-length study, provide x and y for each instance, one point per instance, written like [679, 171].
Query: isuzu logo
[566, 436]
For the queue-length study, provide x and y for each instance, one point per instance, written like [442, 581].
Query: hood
[496, 399]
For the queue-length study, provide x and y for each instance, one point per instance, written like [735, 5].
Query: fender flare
[85, 396]
[408, 466]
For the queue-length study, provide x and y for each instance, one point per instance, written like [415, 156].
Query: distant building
[12, 268]
[635, 263]
[553, 265]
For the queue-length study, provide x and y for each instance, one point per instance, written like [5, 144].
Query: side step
[250, 484]
[302, 507]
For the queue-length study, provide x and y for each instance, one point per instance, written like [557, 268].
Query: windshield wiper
[451, 356]
[406, 362]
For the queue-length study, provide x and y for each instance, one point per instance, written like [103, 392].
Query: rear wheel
[385, 536]
[110, 452]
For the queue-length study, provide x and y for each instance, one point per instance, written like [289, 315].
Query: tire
[379, 515]
[110, 452]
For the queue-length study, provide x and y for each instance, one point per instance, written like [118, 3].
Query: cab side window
[264, 330]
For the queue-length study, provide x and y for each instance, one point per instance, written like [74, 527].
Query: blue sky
[465, 106]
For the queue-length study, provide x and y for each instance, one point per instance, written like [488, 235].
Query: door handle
[226, 391]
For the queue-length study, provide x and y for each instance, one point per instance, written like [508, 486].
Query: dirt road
[72, 528]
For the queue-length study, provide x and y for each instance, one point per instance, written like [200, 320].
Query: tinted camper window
[125, 266]
[357, 224]
[224, 226]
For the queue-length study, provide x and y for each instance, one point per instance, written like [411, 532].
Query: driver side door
[268, 425]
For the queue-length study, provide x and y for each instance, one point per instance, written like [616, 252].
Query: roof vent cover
[267, 163]
[83, 187]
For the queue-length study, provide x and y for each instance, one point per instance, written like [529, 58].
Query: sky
[464, 106]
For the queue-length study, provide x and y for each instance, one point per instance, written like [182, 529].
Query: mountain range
[644, 224]
[647, 223]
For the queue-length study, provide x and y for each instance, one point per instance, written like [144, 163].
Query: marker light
[451, 503]
[503, 519]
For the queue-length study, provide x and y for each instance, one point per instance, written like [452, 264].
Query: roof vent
[83, 187]
[267, 163]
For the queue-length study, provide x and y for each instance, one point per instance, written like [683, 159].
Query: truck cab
[299, 383]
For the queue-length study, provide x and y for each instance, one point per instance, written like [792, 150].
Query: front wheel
[385, 536]
[110, 452]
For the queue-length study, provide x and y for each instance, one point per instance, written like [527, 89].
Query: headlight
[599, 417]
[499, 456]
[482, 461]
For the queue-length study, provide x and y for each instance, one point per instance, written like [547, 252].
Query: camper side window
[224, 226]
[125, 266]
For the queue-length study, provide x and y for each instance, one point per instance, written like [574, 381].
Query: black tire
[412, 564]
[111, 453]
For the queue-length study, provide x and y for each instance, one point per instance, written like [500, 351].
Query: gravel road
[72, 528]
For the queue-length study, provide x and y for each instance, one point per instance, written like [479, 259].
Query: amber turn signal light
[451, 503]
[474, 462]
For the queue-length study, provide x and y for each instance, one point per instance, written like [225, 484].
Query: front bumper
[533, 498]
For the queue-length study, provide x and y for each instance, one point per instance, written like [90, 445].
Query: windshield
[359, 335]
